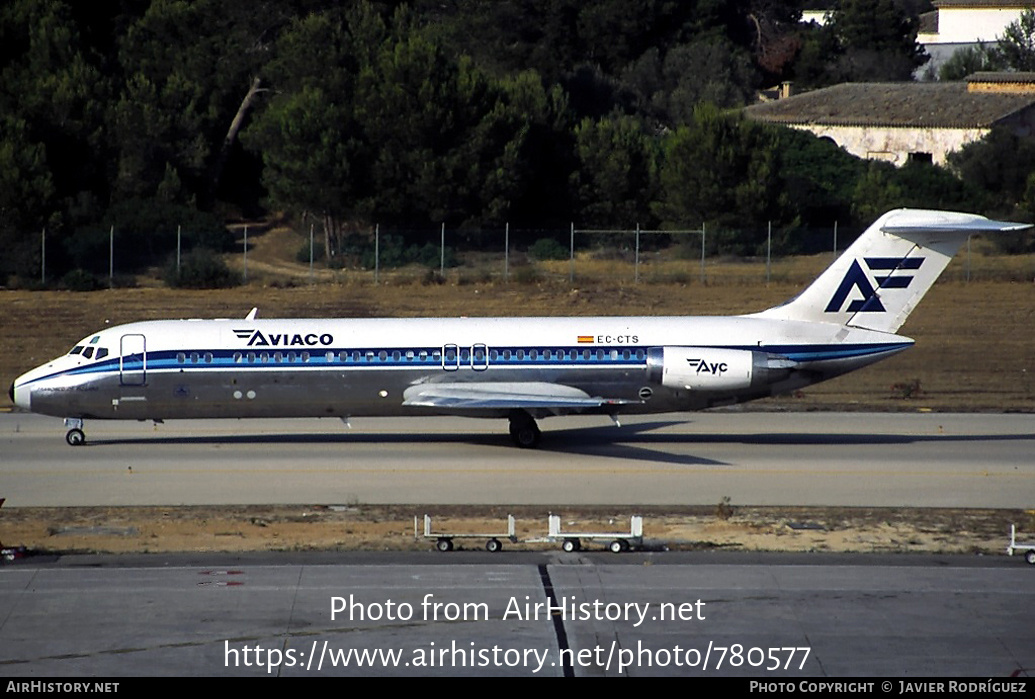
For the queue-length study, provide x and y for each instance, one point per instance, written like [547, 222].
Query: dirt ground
[392, 528]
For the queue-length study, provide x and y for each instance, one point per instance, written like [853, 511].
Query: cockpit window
[76, 350]
[102, 352]
[95, 339]
[88, 352]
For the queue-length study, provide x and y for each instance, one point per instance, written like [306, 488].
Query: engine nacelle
[707, 368]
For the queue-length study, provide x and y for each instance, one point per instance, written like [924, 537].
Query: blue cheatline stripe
[370, 358]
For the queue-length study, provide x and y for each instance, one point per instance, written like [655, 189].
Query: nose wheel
[75, 436]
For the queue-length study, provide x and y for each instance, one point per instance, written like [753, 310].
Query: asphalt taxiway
[838, 459]
[707, 614]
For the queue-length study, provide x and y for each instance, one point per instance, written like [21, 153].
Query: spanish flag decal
[585, 338]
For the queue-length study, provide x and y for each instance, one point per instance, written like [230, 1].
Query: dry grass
[391, 528]
[975, 344]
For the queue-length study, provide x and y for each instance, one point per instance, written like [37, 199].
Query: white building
[956, 24]
[898, 122]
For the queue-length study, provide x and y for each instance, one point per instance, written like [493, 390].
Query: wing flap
[484, 395]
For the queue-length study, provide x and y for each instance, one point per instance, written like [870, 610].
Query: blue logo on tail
[856, 278]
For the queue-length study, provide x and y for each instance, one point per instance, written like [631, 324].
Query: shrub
[200, 269]
[548, 249]
[81, 280]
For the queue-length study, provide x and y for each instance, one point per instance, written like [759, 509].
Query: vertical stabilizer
[882, 276]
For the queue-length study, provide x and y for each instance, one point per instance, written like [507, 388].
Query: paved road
[850, 459]
[689, 615]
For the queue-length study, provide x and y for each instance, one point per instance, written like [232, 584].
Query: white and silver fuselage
[321, 367]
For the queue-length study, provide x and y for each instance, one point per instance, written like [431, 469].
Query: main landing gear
[75, 435]
[523, 430]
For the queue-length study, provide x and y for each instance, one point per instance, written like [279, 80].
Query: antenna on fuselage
[251, 314]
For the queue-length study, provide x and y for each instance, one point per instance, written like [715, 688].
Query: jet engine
[713, 369]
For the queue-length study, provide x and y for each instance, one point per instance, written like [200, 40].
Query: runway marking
[688, 470]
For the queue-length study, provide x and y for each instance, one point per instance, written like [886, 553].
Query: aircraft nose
[19, 395]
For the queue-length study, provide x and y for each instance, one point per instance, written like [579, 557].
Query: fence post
[968, 259]
[310, 253]
[506, 254]
[636, 264]
[769, 254]
[43, 256]
[442, 253]
[111, 258]
[702, 253]
[178, 236]
[246, 254]
[571, 258]
[377, 253]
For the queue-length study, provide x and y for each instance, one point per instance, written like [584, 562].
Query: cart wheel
[1030, 557]
[444, 545]
[616, 546]
[493, 545]
[570, 545]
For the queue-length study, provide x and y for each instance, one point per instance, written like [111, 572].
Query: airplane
[521, 369]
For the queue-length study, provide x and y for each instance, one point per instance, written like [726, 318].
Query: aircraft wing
[493, 395]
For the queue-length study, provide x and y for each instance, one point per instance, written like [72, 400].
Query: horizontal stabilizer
[491, 395]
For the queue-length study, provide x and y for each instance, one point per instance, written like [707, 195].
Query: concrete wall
[894, 144]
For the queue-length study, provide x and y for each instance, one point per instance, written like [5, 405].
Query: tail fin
[882, 276]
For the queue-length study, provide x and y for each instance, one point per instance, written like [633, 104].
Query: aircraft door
[479, 357]
[450, 357]
[133, 360]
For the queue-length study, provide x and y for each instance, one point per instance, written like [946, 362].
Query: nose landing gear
[75, 435]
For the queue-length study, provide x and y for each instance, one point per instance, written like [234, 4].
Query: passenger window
[208, 357]
[305, 356]
[238, 357]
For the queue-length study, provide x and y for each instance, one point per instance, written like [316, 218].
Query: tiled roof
[982, 3]
[944, 104]
[1001, 77]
